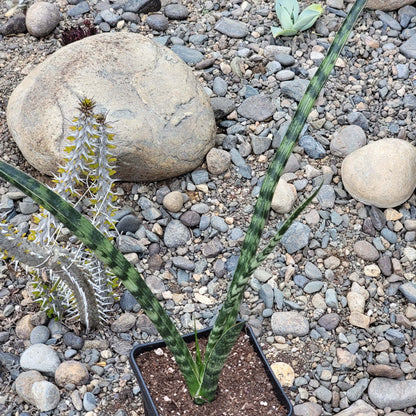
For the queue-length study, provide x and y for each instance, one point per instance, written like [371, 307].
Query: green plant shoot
[201, 373]
[291, 22]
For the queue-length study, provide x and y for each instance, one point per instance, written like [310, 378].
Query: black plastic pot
[149, 406]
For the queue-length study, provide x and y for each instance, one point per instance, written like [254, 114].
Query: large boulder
[388, 4]
[382, 173]
[162, 118]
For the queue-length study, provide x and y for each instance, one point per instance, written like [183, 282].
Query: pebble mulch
[336, 301]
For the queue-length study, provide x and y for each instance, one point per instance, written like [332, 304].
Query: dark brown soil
[244, 388]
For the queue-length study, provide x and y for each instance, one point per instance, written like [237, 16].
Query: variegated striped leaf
[114, 259]
[228, 313]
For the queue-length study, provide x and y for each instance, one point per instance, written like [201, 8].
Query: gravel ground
[321, 284]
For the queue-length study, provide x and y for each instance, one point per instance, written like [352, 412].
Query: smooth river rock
[163, 120]
[396, 394]
[42, 18]
[293, 323]
[382, 173]
[387, 4]
[359, 408]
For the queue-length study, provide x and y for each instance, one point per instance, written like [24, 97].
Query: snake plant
[201, 378]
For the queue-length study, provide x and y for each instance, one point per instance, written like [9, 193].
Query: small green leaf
[285, 19]
[308, 17]
[277, 31]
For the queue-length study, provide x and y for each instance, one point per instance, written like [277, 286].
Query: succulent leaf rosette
[291, 21]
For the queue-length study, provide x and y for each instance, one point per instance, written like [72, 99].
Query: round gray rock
[162, 117]
[396, 394]
[176, 234]
[42, 18]
[366, 250]
[346, 140]
[40, 357]
[32, 388]
[382, 173]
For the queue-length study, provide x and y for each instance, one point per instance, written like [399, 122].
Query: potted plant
[201, 372]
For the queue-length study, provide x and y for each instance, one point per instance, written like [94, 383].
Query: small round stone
[72, 340]
[173, 201]
[71, 372]
[218, 161]
[42, 18]
[39, 335]
[366, 250]
[157, 22]
[284, 373]
[176, 11]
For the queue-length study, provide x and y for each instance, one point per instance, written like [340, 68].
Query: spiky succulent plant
[85, 176]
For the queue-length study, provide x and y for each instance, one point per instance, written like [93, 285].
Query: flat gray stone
[408, 48]
[257, 107]
[294, 89]
[232, 28]
[188, 55]
[396, 394]
[176, 234]
[289, 323]
[359, 408]
[296, 237]
[408, 290]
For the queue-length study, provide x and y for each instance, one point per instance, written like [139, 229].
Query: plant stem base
[244, 388]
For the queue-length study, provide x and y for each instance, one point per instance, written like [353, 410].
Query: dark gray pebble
[294, 89]
[395, 337]
[128, 302]
[142, 6]
[389, 235]
[188, 55]
[199, 176]
[190, 219]
[212, 248]
[79, 9]
[222, 107]
[129, 223]
[296, 237]
[377, 218]
[110, 17]
[176, 12]
[257, 107]
[183, 263]
[16, 24]
[72, 340]
[384, 262]
[39, 335]
[232, 28]
[312, 148]
[358, 119]
[329, 321]
[177, 233]
[408, 289]
[300, 280]
[157, 22]
[285, 59]
[368, 227]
